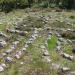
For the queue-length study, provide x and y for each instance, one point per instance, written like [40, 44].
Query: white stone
[24, 49]
[17, 56]
[64, 69]
[43, 47]
[67, 56]
[22, 63]
[1, 68]
[55, 66]
[47, 59]
[46, 53]
[15, 43]
[58, 43]
[26, 46]
[8, 51]
[8, 59]
[3, 65]
[2, 43]
[61, 39]
[4, 35]
[3, 54]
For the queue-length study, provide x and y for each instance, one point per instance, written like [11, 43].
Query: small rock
[22, 63]
[58, 43]
[17, 56]
[46, 53]
[8, 59]
[56, 66]
[65, 69]
[67, 56]
[3, 65]
[61, 39]
[43, 47]
[1, 68]
[8, 51]
[26, 46]
[58, 48]
[2, 43]
[72, 73]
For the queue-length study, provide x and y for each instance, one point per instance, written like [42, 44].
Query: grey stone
[58, 43]
[61, 39]
[8, 51]
[67, 56]
[3, 65]
[8, 59]
[72, 73]
[1, 68]
[18, 54]
[3, 35]
[58, 48]
[46, 53]
[65, 69]
[26, 45]
[42, 46]
[17, 31]
[2, 43]
[55, 66]
[47, 59]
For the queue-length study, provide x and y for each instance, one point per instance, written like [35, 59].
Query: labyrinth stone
[8, 59]
[1, 68]
[65, 69]
[2, 43]
[8, 51]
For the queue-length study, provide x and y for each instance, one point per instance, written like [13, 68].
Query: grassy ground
[33, 60]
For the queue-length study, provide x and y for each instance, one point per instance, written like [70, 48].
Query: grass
[52, 42]
[2, 27]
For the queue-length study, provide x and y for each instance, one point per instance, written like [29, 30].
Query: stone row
[46, 55]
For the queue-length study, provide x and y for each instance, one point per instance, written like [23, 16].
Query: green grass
[2, 27]
[52, 42]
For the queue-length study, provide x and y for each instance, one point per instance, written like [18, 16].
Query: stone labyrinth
[33, 40]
